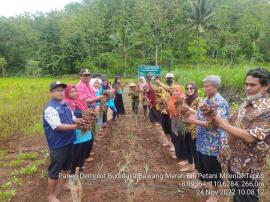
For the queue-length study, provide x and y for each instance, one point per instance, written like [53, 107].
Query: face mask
[169, 81]
[254, 97]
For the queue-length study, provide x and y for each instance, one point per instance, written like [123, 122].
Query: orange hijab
[172, 108]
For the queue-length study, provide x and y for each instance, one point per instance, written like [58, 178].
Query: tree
[122, 40]
[136, 31]
[32, 68]
[3, 64]
[197, 50]
[255, 36]
[199, 17]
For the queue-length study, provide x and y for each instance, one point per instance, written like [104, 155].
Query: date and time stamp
[226, 188]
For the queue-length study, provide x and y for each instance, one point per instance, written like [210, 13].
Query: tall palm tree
[199, 17]
[121, 39]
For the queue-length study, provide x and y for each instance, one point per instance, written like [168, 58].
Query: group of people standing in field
[203, 136]
[198, 132]
[71, 147]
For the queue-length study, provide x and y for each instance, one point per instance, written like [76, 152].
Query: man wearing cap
[59, 125]
[164, 108]
[85, 92]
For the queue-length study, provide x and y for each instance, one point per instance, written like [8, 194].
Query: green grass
[22, 102]
[21, 158]
[23, 99]
[6, 196]
[27, 156]
[232, 78]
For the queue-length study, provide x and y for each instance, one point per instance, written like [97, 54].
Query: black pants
[114, 110]
[209, 169]
[78, 156]
[61, 159]
[89, 147]
[194, 152]
[190, 147]
[135, 106]
[166, 124]
[245, 189]
[179, 145]
[154, 115]
[104, 117]
[145, 109]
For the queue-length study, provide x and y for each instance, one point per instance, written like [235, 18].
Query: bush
[32, 68]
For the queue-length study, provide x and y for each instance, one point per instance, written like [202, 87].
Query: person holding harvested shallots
[106, 87]
[118, 101]
[145, 101]
[85, 91]
[159, 95]
[154, 115]
[193, 102]
[96, 84]
[208, 141]
[247, 140]
[59, 125]
[135, 95]
[82, 140]
[177, 137]
[165, 112]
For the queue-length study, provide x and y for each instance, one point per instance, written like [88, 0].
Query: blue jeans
[113, 108]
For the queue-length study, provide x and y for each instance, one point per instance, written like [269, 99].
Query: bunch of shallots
[89, 119]
[182, 110]
[209, 111]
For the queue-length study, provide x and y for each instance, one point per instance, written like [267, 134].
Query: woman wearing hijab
[142, 83]
[193, 101]
[177, 136]
[110, 103]
[105, 88]
[154, 115]
[118, 102]
[96, 84]
[81, 145]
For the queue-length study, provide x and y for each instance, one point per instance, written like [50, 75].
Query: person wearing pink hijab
[72, 99]
[82, 145]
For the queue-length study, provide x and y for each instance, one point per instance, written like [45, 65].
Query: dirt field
[131, 146]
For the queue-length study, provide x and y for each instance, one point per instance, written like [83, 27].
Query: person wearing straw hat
[134, 94]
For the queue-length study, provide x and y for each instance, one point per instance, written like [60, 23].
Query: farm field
[131, 158]
[130, 145]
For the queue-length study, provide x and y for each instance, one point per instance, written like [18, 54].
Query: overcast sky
[17, 7]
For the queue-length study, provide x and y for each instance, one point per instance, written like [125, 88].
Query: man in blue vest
[59, 125]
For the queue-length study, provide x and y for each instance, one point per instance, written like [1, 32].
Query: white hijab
[142, 83]
[93, 82]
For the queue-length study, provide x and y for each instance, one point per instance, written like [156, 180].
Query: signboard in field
[144, 70]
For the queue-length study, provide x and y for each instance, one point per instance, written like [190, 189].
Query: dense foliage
[113, 36]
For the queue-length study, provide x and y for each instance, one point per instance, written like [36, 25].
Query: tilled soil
[129, 165]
